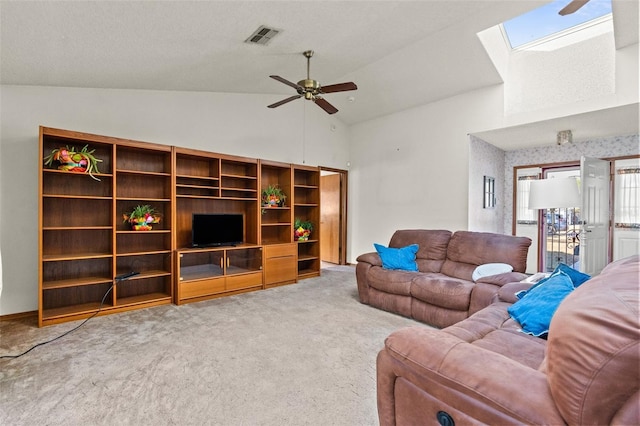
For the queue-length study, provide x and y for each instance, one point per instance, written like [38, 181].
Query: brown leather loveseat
[442, 292]
[483, 370]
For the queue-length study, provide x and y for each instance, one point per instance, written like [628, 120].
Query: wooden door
[330, 218]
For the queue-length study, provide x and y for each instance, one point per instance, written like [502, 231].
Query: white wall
[541, 79]
[485, 160]
[575, 99]
[227, 123]
[411, 169]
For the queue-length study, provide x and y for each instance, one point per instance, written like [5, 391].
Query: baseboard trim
[19, 316]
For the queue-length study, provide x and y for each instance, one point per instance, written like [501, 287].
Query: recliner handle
[445, 419]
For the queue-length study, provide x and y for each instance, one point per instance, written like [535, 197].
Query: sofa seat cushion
[394, 282]
[483, 322]
[514, 345]
[493, 329]
[441, 290]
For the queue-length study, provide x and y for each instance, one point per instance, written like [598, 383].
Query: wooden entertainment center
[84, 244]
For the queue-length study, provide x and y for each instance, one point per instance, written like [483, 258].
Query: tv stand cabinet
[84, 243]
[216, 272]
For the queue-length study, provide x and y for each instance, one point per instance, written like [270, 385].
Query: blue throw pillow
[398, 258]
[576, 277]
[534, 311]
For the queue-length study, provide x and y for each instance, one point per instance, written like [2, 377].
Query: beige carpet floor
[301, 354]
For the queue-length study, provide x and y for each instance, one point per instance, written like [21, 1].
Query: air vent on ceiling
[262, 35]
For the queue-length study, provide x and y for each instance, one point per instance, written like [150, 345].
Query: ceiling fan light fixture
[312, 90]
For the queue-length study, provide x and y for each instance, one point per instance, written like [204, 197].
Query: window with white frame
[627, 197]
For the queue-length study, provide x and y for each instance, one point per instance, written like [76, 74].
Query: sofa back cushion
[467, 250]
[433, 246]
[593, 349]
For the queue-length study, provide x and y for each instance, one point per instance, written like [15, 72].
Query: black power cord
[117, 279]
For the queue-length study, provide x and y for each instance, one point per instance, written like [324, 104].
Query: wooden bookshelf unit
[307, 207]
[84, 244]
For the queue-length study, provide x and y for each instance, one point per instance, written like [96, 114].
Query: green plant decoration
[273, 196]
[72, 160]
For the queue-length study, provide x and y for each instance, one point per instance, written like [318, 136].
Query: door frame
[344, 185]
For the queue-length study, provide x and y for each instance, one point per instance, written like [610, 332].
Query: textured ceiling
[400, 53]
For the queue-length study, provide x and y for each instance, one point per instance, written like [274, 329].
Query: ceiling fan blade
[340, 87]
[572, 7]
[285, 81]
[330, 109]
[284, 101]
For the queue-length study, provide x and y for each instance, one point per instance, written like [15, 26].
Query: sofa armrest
[507, 292]
[471, 383]
[502, 279]
[372, 258]
[365, 263]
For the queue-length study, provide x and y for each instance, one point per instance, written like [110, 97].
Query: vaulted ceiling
[400, 53]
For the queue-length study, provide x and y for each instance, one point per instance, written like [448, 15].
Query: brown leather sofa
[442, 292]
[483, 370]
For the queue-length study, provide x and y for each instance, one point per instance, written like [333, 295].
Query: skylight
[545, 21]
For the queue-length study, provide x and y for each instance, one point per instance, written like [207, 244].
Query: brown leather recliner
[483, 370]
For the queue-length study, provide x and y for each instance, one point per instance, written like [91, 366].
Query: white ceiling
[400, 53]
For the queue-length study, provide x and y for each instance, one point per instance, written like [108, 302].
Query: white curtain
[525, 215]
[627, 197]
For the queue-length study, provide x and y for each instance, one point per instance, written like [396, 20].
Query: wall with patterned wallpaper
[616, 146]
[485, 160]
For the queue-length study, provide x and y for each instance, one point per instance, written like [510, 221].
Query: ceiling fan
[312, 90]
[572, 7]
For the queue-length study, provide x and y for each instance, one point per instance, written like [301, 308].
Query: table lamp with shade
[557, 193]
[554, 193]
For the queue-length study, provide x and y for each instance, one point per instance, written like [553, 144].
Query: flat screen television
[216, 229]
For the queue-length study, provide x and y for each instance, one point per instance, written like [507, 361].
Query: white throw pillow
[489, 269]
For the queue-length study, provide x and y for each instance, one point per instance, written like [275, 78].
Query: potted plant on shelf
[142, 217]
[273, 196]
[71, 160]
[302, 229]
